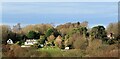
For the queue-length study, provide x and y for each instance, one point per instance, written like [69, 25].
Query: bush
[101, 50]
[35, 45]
[58, 41]
[42, 40]
[33, 35]
[17, 51]
[98, 32]
[80, 43]
[94, 47]
[49, 32]
[76, 41]
[5, 48]
[51, 38]
[110, 42]
[104, 40]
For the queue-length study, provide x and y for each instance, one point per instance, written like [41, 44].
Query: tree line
[69, 34]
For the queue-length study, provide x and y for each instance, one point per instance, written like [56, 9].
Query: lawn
[56, 52]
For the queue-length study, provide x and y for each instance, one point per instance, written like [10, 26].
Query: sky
[59, 12]
[60, 0]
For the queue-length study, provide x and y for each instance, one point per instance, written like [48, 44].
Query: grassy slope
[56, 52]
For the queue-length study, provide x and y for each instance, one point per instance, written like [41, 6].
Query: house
[67, 48]
[110, 36]
[29, 42]
[9, 41]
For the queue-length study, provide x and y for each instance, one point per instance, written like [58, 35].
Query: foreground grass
[56, 52]
[91, 51]
[94, 50]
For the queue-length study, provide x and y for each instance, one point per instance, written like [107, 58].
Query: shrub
[102, 50]
[82, 30]
[49, 32]
[94, 44]
[98, 32]
[36, 45]
[17, 51]
[58, 41]
[80, 43]
[110, 42]
[32, 34]
[94, 47]
[51, 38]
[42, 40]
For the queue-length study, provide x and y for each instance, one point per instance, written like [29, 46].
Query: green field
[56, 52]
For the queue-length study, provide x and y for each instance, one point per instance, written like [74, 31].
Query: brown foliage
[38, 28]
[66, 28]
[58, 41]
[113, 28]
[97, 49]
[79, 41]
[5, 30]
[51, 38]
[17, 51]
[84, 24]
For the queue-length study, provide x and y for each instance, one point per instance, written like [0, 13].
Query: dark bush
[49, 32]
[98, 32]
[110, 42]
[33, 35]
[42, 40]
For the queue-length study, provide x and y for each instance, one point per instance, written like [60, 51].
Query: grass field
[56, 52]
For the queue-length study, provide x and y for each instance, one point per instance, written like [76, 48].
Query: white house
[67, 48]
[9, 41]
[29, 42]
[110, 36]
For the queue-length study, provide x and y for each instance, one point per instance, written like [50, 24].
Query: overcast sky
[59, 12]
